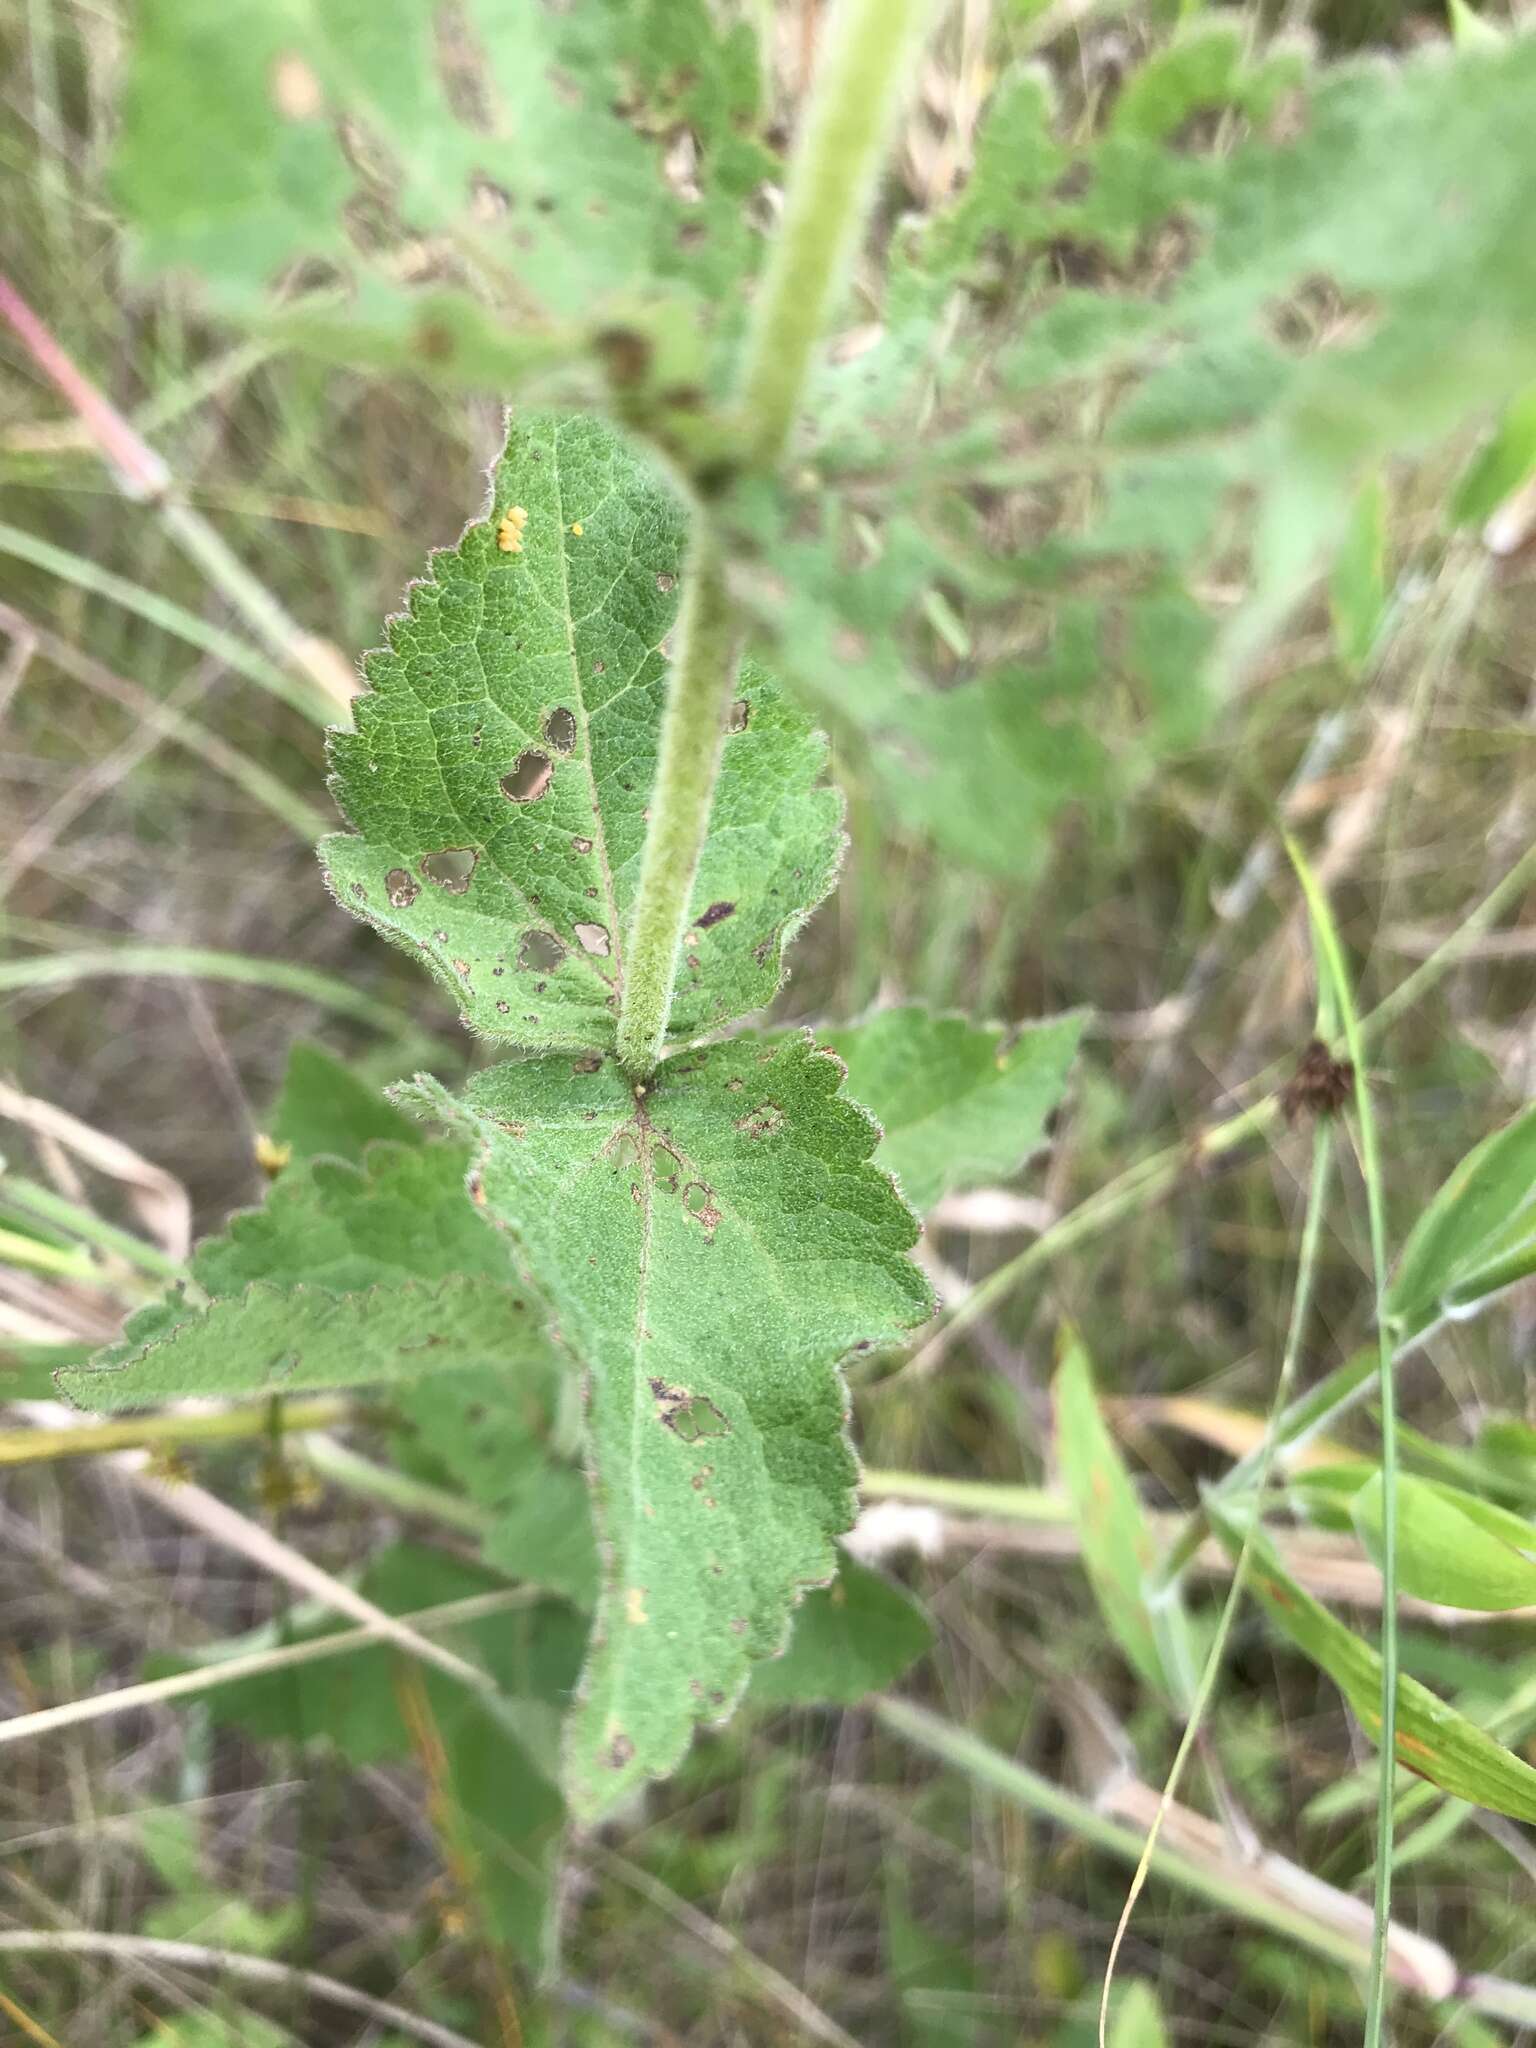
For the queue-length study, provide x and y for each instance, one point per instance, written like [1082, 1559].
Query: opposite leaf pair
[707, 1246]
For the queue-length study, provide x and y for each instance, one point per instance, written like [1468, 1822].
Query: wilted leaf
[956, 1103]
[712, 1244]
[500, 775]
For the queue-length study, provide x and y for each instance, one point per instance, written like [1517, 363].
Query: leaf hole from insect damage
[540, 952]
[284, 1366]
[593, 938]
[589, 1064]
[665, 581]
[560, 729]
[402, 888]
[451, 869]
[692, 1417]
[739, 717]
[528, 778]
[581, 845]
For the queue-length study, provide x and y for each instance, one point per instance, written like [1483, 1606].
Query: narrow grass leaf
[1476, 1237]
[1118, 1547]
[1432, 1739]
[1452, 1548]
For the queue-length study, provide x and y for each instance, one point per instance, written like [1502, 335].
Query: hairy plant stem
[869, 44]
[692, 736]
[863, 63]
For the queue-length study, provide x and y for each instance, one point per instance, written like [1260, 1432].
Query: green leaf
[349, 1275]
[854, 1637]
[1358, 589]
[1118, 1550]
[501, 769]
[324, 1110]
[1137, 2023]
[712, 1245]
[956, 1104]
[1433, 1740]
[496, 1794]
[494, 1434]
[1477, 1236]
[529, 144]
[1504, 462]
[1452, 1547]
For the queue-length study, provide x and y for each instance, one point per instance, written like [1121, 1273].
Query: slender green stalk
[398, 1490]
[167, 616]
[856, 94]
[869, 46]
[68, 1261]
[1301, 1303]
[143, 476]
[1226, 1890]
[162, 1432]
[197, 963]
[1333, 971]
[32, 1199]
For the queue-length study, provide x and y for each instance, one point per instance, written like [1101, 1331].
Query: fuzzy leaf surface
[500, 774]
[531, 140]
[347, 1276]
[957, 1106]
[712, 1247]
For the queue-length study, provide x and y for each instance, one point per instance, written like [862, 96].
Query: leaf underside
[499, 779]
[716, 1244]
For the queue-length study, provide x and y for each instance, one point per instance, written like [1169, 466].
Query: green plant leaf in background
[1452, 1547]
[1357, 589]
[712, 1244]
[495, 1436]
[254, 139]
[1476, 1237]
[497, 1793]
[957, 1103]
[852, 1638]
[348, 1275]
[1433, 1740]
[500, 775]
[1118, 1548]
[325, 1111]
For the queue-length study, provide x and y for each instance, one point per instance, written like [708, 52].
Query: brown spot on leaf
[402, 888]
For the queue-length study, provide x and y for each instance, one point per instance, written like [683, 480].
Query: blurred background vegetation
[805, 1875]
